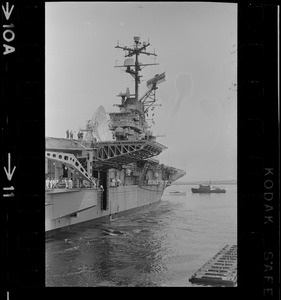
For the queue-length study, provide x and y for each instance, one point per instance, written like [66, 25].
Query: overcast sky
[196, 44]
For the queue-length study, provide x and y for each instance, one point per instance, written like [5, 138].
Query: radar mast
[139, 48]
[130, 123]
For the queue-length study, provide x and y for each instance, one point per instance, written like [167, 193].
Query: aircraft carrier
[111, 168]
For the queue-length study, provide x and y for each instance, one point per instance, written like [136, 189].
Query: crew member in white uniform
[47, 183]
[70, 183]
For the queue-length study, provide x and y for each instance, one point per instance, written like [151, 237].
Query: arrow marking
[6, 10]
[8, 173]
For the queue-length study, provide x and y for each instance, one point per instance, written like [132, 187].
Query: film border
[22, 120]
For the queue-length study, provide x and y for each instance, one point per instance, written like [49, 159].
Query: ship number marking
[8, 34]
[9, 177]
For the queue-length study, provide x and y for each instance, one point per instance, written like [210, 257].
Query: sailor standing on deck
[80, 135]
[70, 183]
[80, 182]
[47, 183]
[66, 183]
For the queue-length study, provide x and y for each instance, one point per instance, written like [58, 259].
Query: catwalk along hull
[66, 208]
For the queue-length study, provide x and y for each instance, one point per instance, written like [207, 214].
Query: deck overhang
[124, 152]
[66, 145]
[110, 154]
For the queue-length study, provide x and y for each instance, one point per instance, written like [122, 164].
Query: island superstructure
[112, 169]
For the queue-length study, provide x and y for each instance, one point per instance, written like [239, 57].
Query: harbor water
[161, 247]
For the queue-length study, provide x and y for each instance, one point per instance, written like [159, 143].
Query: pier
[221, 270]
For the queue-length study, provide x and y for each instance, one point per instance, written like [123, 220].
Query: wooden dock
[221, 270]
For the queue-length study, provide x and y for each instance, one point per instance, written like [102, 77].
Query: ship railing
[156, 182]
[126, 124]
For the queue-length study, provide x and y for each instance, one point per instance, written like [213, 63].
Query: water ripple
[161, 247]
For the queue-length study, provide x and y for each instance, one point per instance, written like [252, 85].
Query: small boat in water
[177, 193]
[207, 189]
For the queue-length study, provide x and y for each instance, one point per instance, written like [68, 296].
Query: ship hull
[67, 209]
[198, 191]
